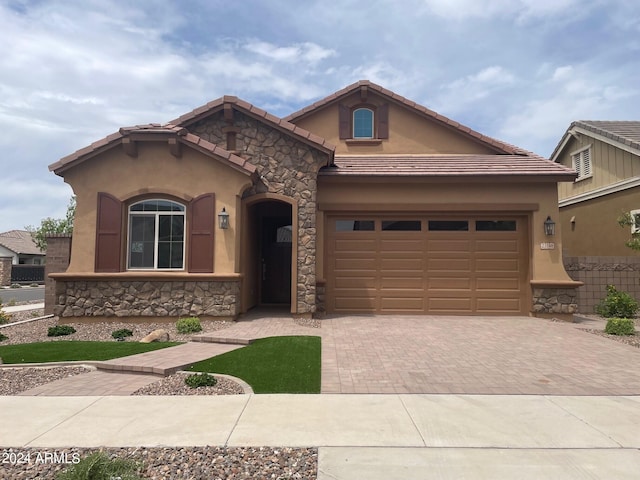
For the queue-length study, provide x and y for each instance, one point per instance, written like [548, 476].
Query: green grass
[67, 351]
[272, 365]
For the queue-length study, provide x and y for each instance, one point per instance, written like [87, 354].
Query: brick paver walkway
[414, 354]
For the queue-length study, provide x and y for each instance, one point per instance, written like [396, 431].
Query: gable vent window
[582, 163]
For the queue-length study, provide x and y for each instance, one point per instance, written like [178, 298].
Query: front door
[276, 260]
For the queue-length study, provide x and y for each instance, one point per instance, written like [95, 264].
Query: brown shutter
[201, 225]
[108, 233]
[344, 121]
[383, 121]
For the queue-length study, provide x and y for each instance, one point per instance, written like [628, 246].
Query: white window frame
[634, 222]
[156, 227]
[582, 163]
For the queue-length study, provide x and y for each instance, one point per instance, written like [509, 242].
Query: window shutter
[586, 165]
[108, 233]
[201, 225]
[576, 165]
[344, 121]
[383, 121]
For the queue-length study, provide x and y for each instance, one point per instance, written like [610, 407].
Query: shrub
[98, 466]
[16, 285]
[200, 380]
[620, 326]
[3, 337]
[34, 285]
[617, 304]
[122, 333]
[4, 317]
[188, 325]
[60, 330]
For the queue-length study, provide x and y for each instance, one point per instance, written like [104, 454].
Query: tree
[627, 220]
[50, 226]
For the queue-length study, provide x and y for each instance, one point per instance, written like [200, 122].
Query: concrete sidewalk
[23, 308]
[359, 436]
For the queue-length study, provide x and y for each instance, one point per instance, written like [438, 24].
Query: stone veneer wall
[5, 271]
[598, 272]
[288, 167]
[555, 301]
[321, 291]
[154, 298]
[58, 258]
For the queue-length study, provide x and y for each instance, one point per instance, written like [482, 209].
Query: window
[363, 123]
[354, 225]
[448, 225]
[581, 162]
[495, 225]
[156, 235]
[401, 225]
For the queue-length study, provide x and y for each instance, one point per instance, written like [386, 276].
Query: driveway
[463, 355]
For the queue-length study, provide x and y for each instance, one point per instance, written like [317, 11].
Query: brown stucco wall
[596, 231]
[154, 170]
[409, 133]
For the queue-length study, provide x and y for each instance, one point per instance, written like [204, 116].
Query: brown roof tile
[20, 242]
[626, 132]
[497, 144]
[447, 166]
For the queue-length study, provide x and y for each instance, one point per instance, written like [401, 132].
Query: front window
[363, 123]
[156, 235]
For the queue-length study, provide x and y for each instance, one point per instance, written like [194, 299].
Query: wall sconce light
[223, 219]
[549, 227]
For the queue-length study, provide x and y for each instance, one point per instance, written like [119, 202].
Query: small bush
[617, 304]
[16, 285]
[188, 325]
[620, 326]
[60, 330]
[200, 380]
[98, 466]
[4, 317]
[3, 337]
[34, 285]
[11, 302]
[122, 333]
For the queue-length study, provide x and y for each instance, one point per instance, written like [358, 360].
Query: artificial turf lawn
[272, 365]
[71, 350]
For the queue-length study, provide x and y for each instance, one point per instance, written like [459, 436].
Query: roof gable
[231, 102]
[621, 134]
[365, 86]
[20, 242]
[174, 135]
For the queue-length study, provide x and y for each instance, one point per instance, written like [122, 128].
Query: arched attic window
[363, 126]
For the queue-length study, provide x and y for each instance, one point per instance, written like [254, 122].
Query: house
[606, 156]
[19, 245]
[364, 202]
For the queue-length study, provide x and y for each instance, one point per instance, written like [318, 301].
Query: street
[24, 294]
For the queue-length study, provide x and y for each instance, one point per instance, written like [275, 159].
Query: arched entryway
[269, 247]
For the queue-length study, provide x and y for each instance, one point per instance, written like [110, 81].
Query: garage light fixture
[223, 219]
[549, 227]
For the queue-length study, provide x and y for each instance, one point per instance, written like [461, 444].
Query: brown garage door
[440, 265]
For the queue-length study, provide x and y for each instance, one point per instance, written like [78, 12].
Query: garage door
[440, 265]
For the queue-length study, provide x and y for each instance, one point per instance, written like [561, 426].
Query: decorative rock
[159, 335]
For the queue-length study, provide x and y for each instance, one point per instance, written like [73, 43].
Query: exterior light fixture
[549, 227]
[223, 219]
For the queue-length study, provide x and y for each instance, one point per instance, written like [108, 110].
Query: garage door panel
[401, 304]
[498, 284]
[449, 283]
[497, 265]
[399, 282]
[449, 265]
[498, 305]
[355, 304]
[450, 305]
[448, 245]
[345, 264]
[401, 264]
[398, 245]
[497, 246]
[356, 282]
[356, 245]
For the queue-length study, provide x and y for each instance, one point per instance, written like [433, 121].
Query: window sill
[146, 275]
[586, 177]
[364, 141]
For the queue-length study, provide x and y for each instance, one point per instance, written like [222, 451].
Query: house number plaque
[547, 246]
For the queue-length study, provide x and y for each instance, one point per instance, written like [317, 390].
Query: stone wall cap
[150, 276]
[556, 283]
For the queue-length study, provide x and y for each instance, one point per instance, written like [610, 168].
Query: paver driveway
[465, 355]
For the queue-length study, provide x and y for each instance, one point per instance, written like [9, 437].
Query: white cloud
[304, 52]
[519, 9]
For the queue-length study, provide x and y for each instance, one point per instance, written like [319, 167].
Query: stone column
[58, 257]
[5, 271]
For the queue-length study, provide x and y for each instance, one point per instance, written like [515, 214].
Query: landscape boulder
[159, 335]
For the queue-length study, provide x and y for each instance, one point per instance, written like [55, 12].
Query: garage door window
[401, 225]
[355, 226]
[448, 226]
[495, 225]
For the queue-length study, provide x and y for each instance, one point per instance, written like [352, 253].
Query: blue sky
[73, 72]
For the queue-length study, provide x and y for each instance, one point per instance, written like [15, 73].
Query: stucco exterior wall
[596, 231]
[154, 170]
[409, 133]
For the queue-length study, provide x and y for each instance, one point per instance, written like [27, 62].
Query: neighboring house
[606, 156]
[363, 202]
[19, 245]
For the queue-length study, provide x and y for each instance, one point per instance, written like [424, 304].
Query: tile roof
[166, 130]
[253, 111]
[621, 131]
[447, 166]
[334, 97]
[20, 242]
